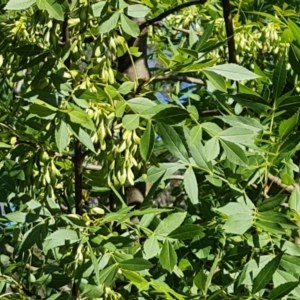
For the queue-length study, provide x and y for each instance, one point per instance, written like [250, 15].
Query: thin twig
[163, 15]
[170, 11]
[184, 30]
[184, 78]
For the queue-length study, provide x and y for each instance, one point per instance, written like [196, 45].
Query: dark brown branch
[184, 78]
[229, 31]
[78, 159]
[78, 169]
[170, 11]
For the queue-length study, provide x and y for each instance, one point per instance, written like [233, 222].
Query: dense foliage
[76, 134]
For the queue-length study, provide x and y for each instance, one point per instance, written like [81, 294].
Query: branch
[184, 30]
[170, 11]
[91, 167]
[277, 181]
[229, 30]
[210, 113]
[78, 158]
[184, 78]
[163, 15]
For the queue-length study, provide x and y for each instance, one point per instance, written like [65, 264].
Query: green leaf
[147, 142]
[233, 72]
[29, 50]
[137, 11]
[198, 154]
[191, 185]
[19, 4]
[61, 136]
[16, 217]
[256, 103]
[212, 128]
[203, 40]
[152, 191]
[82, 136]
[281, 277]
[294, 202]
[171, 115]
[162, 287]
[193, 37]
[136, 279]
[64, 235]
[126, 87]
[168, 256]
[140, 105]
[4, 145]
[290, 103]
[186, 232]
[173, 142]
[288, 125]
[294, 58]
[263, 77]
[170, 223]
[212, 149]
[42, 110]
[234, 153]
[236, 135]
[196, 135]
[273, 18]
[276, 218]
[95, 263]
[108, 275]
[193, 111]
[265, 274]
[41, 4]
[31, 237]
[131, 122]
[287, 36]
[109, 24]
[136, 264]
[279, 78]
[54, 9]
[271, 203]
[151, 247]
[154, 173]
[82, 118]
[291, 248]
[89, 291]
[217, 80]
[120, 108]
[186, 52]
[94, 96]
[97, 8]
[129, 26]
[234, 208]
[290, 263]
[270, 227]
[282, 290]
[238, 223]
[200, 280]
[295, 30]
